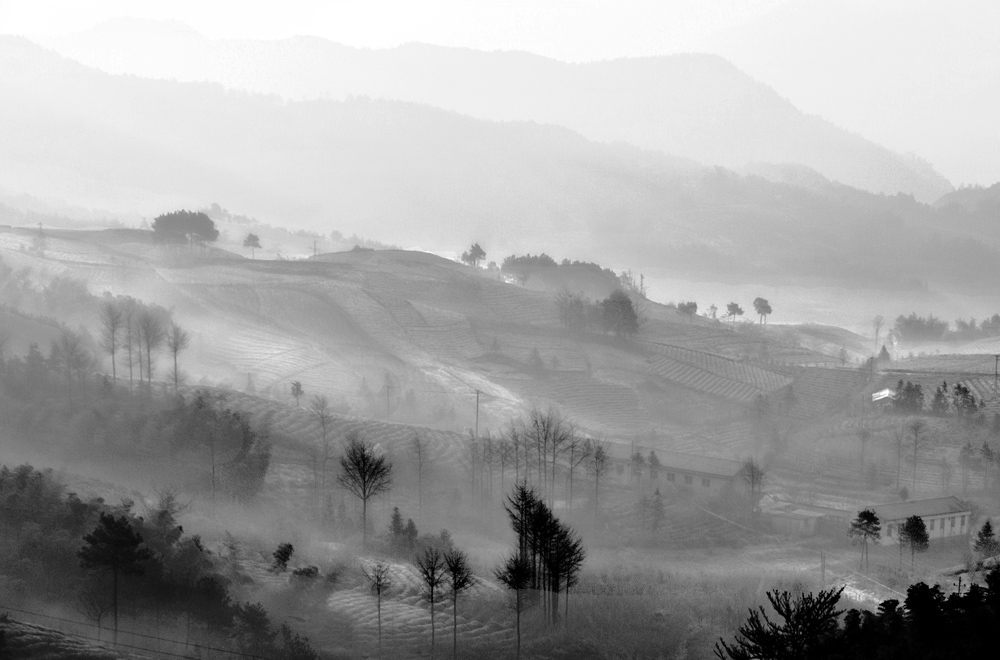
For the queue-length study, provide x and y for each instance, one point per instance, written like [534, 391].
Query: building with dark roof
[699, 475]
[944, 517]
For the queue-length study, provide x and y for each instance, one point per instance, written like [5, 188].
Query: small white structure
[944, 517]
[888, 395]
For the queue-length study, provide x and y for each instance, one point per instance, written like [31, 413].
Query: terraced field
[713, 374]
[406, 619]
[821, 390]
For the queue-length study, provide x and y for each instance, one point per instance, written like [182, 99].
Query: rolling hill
[410, 337]
[416, 175]
[696, 106]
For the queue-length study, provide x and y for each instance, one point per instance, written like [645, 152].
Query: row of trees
[542, 451]
[930, 328]
[138, 332]
[909, 399]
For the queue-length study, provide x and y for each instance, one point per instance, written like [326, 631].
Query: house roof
[935, 506]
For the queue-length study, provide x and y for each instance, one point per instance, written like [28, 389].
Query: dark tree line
[927, 624]
[931, 328]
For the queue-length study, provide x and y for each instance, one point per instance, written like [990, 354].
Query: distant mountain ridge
[693, 106]
[411, 174]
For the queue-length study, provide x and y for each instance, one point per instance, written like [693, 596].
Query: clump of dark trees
[191, 227]
[960, 401]
[546, 560]
[109, 562]
[616, 314]
[928, 624]
[931, 328]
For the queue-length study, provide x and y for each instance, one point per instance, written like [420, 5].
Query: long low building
[699, 475]
[944, 517]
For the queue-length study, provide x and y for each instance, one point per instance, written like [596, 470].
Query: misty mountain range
[693, 106]
[416, 175]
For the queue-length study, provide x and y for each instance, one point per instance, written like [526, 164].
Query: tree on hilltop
[733, 310]
[185, 227]
[689, 309]
[763, 308]
[618, 314]
[474, 255]
[252, 241]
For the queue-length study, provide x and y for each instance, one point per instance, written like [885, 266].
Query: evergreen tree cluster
[927, 625]
[552, 552]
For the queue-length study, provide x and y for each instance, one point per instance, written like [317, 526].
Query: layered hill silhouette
[412, 175]
[694, 106]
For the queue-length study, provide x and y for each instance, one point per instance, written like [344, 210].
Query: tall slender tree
[515, 574]
[177, 340]
[112, 323]
[458, 576]
[379, 582]
[600, 463]
[431, 568]
[152, 334]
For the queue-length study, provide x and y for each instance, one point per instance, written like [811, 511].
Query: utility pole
[387, 388]
[477, 414]
[822, 568]
[996, 363]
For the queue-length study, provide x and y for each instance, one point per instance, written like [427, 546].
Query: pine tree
[986, 542]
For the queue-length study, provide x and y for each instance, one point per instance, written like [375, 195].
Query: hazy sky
[920, 76]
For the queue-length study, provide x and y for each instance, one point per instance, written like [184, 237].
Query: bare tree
[579, 451]
[459, 578]
[378, 580]
[70, 354]
[898, 434]
[131, 338]
[152, 335]
[753, 476]
[319, 406]
[177, 341]
[600, 463]
[917, 427]
[420, 454]
[365, 474]
[431, 568]
[112, 323]
[877, 323]
[94, 601]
